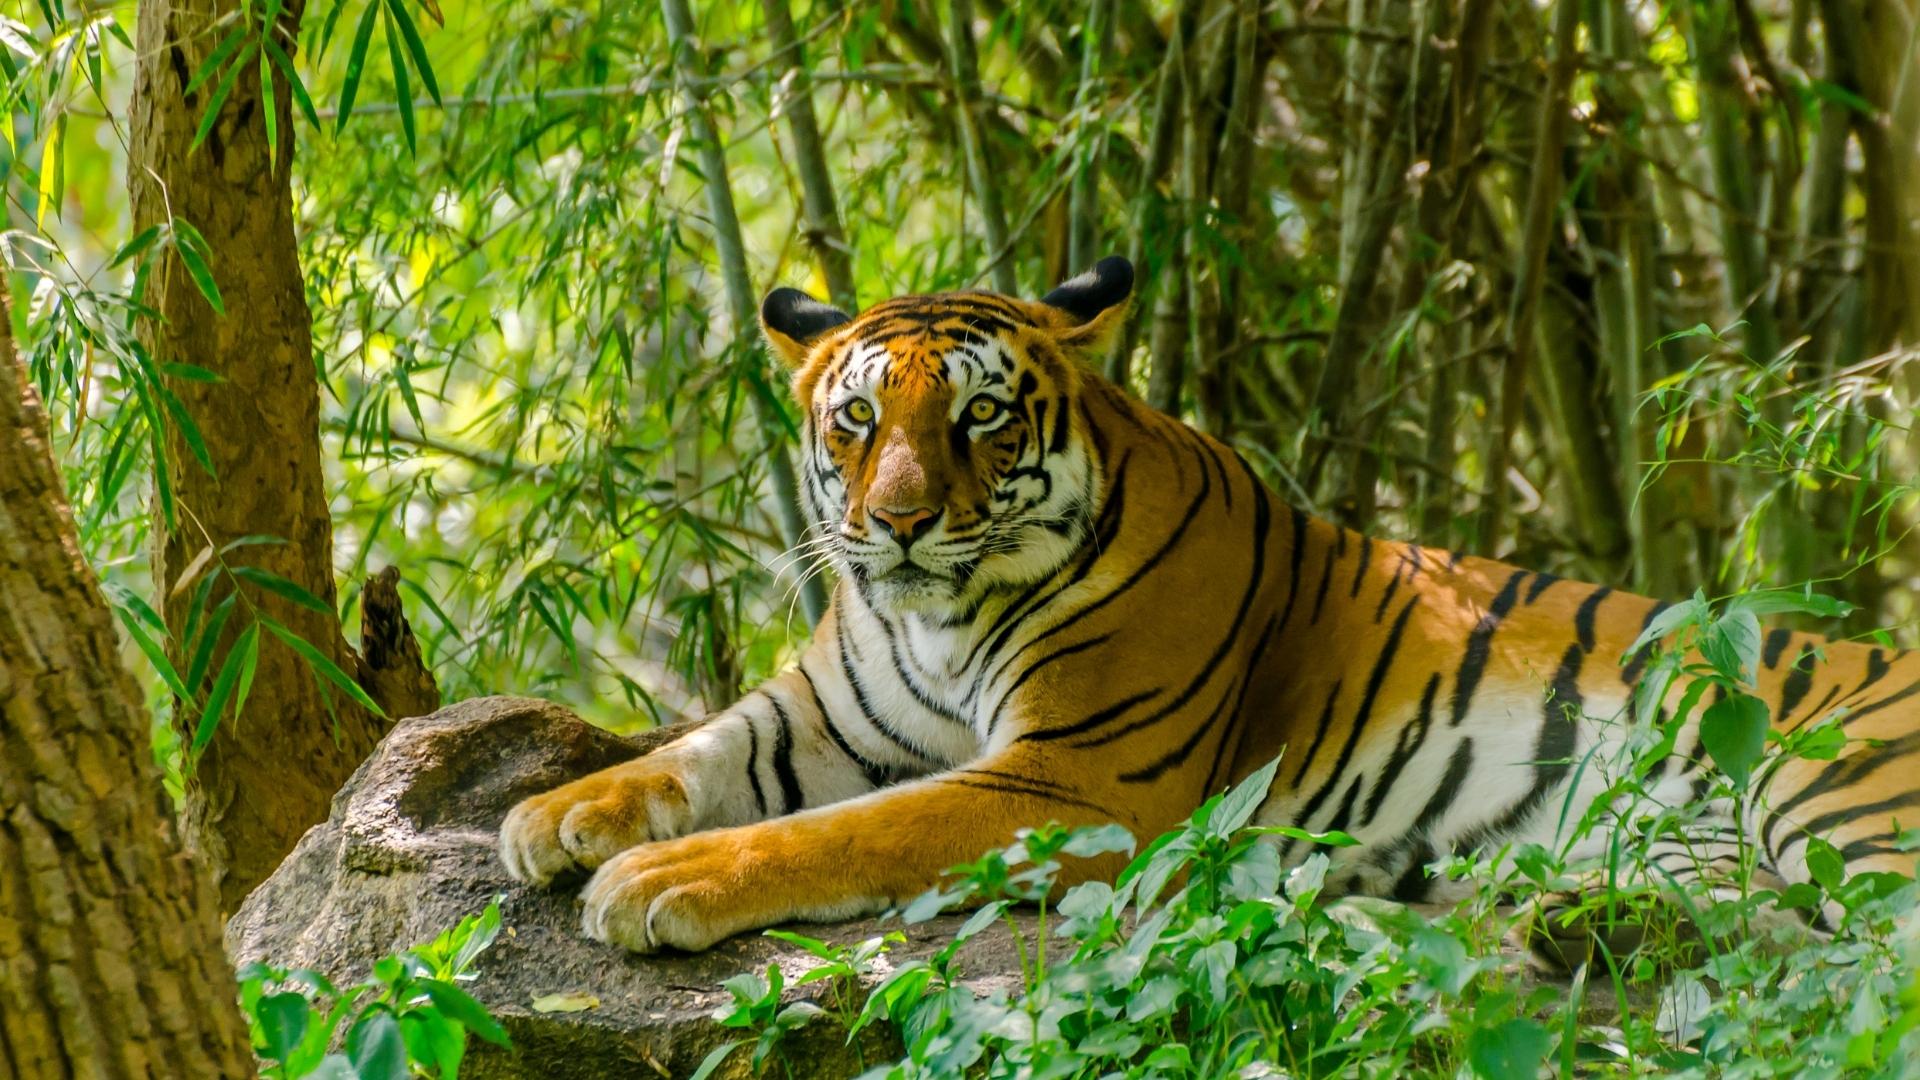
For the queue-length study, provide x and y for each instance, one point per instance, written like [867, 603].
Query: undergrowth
[1209, 958]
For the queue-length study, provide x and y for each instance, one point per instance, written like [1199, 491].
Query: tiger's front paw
[585, 823]
[683, 894]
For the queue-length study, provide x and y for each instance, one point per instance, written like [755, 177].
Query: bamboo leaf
[244, 654]
[193, 252]
[141, 242]
[322, 666]
[216, 59]
[154, 653]
[356, 65]
[295, 87]
[402, 92]
[270, 109]
[219, 99]
[416, 48]
[281, 587]
[50, 171]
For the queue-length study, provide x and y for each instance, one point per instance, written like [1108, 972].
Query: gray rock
[409, 849]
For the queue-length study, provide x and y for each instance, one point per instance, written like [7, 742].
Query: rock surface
[409, 849]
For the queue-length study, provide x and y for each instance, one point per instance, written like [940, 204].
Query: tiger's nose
[907, 525]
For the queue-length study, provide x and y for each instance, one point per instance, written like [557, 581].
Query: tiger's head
[944, 452]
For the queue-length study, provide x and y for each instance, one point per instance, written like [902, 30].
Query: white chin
[912, 591]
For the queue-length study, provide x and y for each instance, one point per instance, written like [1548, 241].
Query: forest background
[1623, 290]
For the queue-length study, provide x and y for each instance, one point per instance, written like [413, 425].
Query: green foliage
[408, 1018]
[1207, 959]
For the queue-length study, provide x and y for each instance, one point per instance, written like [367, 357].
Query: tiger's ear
[1095, 304]
[794, 322]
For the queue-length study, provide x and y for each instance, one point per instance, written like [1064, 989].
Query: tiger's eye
[859, 412]
[983, 409]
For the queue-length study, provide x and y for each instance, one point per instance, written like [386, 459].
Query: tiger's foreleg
[853, 858]
[770, 754]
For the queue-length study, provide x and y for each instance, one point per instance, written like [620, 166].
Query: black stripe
[1360, 571]
[1262, 522]
[1319, 734]
[1799, 680]
[1411, 738]
[1338, 823]
[1293, 565]
[1413, 885]
[1326, 577]
[1630, 674]
[860, 695]
[1777, 639]
[1374, 682]
[877, 775]
[1091, 721]
[1480, 646]
[1031, 792]
[1386, 597]
[993, 721]
[1583, 618]
[1179, 754]
[1552, 753]
[1541, 583]
[753, 772]
[783, 760]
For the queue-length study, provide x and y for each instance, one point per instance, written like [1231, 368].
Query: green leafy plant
[408, 1018]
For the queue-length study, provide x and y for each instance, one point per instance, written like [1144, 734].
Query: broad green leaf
[1825, 865]
[269, 110]
[283, 1021]
[155, 655]
[457, 1004]
[377, 1048]
[1509, 1051]
[1731, 644]
[141, 241]
[1668, 621]
[1734, 732]
[713, 1059]
[1237, 807]
[208, 639]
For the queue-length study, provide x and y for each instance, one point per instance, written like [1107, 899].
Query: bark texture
[269, 776]
[110, 959]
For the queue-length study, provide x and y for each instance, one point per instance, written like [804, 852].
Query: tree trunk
[110, 960]
[267, 775]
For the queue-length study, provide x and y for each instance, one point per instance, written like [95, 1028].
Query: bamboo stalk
[1161, 138]
[1083, 209]
[964, 66]
[741, 304]
[1371, 201]
[1543, 196]
[821, 210]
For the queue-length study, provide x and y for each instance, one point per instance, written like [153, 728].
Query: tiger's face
[943, 454]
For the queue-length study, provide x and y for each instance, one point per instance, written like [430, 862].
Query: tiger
[1056, 604]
